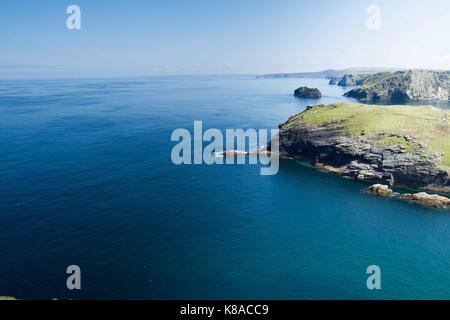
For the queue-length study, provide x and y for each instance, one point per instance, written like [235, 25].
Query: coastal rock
[328, 169]
[421, 198]
[380, 190]
[428, 200]
[238, 153]
[404, 86]
[263, 153]
[231, 153]
[305, 92]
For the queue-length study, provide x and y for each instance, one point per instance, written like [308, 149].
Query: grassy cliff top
[395, 124]
[377, 78]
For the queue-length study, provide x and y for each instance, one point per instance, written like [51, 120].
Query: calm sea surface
[87, 179]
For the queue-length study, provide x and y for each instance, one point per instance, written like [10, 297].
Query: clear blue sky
[145, 37]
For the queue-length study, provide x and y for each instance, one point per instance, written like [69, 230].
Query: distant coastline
[329, 73]
[338, 73]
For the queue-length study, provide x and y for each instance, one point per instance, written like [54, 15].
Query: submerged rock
[305, 92]
[328, 169]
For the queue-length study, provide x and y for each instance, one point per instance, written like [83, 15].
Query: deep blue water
[87, 179]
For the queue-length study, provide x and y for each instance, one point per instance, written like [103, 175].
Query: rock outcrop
[428, 200]
[238, 153]
[231, 154]
[305, 92]
[404, 86]
[380, 190]
[351, 80]
[348, 138]
[421, 198]
[334, 81]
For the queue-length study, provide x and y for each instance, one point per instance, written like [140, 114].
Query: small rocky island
[305, 92]
[387, 145]
[413, 85]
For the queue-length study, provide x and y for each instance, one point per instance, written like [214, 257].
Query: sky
[165, 37]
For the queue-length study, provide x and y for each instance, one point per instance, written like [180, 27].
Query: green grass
[374, 79]
[7, 298]
[410, 146]
[426, 124]
[379, 77]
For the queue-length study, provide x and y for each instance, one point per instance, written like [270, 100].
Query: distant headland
[390, 85]
[330, 73]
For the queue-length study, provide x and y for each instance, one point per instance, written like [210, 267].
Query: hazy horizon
[148, 38]
[131, 76]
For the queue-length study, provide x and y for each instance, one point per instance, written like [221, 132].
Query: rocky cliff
[404, 86]
[352, 80]
[397, 145]
[334, 81]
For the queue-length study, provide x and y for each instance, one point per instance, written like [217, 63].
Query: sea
[86, 179]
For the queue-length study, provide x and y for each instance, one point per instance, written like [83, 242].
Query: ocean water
[87, 179]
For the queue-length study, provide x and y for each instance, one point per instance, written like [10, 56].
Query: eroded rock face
[351, 80]
[334, 81]
[404, 85]
[305, 92]
[362, 157]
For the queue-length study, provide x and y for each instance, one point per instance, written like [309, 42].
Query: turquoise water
[87, 179]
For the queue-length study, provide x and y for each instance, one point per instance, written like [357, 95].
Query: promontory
[391, 145]
[412, 85]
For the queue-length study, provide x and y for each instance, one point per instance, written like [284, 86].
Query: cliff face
[334, 81]
[344, 139]
[351, 80]
[404, 85]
